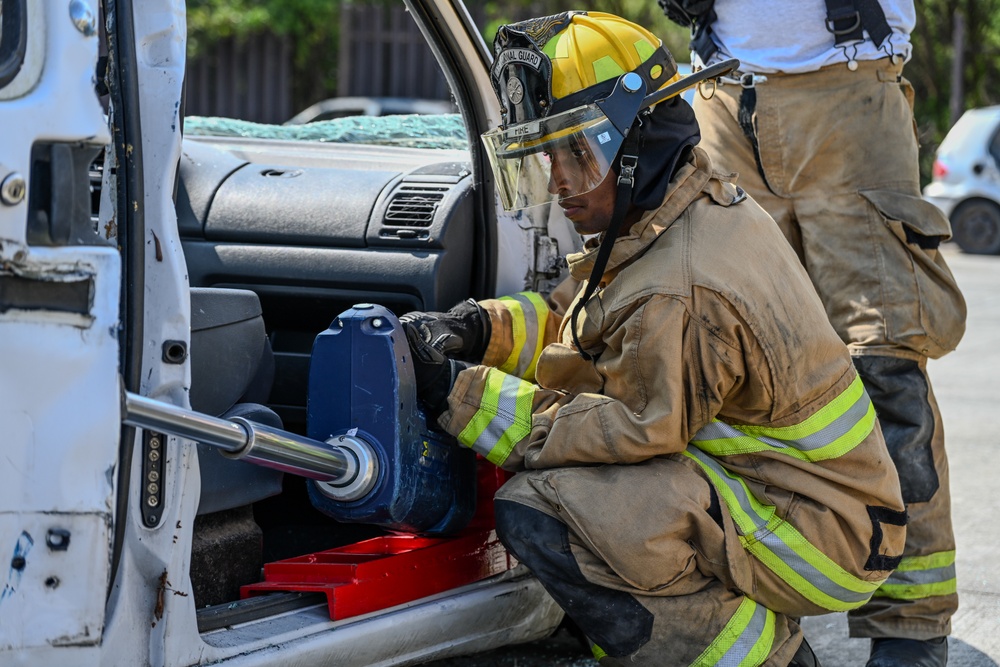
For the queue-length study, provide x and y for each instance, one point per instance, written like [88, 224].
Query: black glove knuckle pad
[431, 369]
[459, 333]
[436, 340]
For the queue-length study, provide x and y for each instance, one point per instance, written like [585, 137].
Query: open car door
[59, 336]
[102, 515]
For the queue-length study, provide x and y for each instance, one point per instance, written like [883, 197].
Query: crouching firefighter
[697, 460]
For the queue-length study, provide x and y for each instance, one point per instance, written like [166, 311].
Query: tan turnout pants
[832, 156]
[657, 576]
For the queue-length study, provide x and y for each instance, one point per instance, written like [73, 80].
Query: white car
[212, 452]
[188, 277]
[966, 180]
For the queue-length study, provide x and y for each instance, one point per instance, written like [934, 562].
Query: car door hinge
[548, 262]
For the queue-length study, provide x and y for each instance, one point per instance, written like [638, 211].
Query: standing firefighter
[698, 461]
[819, 125]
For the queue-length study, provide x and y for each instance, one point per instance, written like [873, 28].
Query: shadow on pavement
[563, 649]
[828, 637]
[826, 634]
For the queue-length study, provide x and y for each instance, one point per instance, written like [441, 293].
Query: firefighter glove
[435, 373]
[462, 333]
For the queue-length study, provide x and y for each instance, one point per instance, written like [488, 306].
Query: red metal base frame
[385, 571]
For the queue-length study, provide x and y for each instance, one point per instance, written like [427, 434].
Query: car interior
[279, 239]
[280, 236]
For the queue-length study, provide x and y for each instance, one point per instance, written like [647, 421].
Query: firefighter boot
[804, 657]
[909, 653]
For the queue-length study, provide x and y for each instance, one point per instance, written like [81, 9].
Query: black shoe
[804, 657]
[909, 653]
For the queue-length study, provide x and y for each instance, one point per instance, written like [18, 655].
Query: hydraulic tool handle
[351, 461]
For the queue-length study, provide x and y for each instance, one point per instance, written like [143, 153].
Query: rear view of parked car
[966, 180]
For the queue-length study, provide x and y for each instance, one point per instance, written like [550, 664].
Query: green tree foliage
[930, 70]
[312, 23]
[311, 26]
[644, 12]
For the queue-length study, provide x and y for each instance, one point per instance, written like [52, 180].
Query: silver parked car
[966, 180]
[341, 107]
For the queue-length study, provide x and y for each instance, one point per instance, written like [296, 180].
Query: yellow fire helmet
[570, 86]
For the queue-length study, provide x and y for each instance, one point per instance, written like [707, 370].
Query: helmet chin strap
[623, 106]
[623, 197]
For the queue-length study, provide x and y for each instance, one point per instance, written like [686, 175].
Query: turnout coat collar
[692, 180]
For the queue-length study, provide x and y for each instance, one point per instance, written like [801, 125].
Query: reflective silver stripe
[809, 572]
[528, 316]
[838, 428]
[777, 554]
[922, 577]
[504, 418]
[747, 640]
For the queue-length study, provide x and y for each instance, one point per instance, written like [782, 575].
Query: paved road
[967, 385]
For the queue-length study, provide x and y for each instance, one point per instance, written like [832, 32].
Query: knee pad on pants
[901, 395]
[612, 619]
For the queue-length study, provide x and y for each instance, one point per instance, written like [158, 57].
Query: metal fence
[250, 80]
[381, 54]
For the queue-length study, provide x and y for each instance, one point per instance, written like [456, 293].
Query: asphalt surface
[967, 385]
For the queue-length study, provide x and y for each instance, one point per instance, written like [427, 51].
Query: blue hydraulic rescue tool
[361, 374]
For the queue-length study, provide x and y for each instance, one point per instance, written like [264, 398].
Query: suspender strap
[623, 197]
[701, 37]
[848, 19]
[745, 116]
[697, 15]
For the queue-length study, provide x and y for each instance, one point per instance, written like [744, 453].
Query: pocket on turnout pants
[924, 309]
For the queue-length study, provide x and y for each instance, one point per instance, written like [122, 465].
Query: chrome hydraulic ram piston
[346, 461]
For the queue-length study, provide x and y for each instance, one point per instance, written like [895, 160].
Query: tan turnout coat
[705, 313]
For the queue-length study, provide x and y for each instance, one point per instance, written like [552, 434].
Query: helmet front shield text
[560, 156]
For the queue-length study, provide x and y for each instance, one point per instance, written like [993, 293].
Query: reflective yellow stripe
[834, 430]
[745, 641]
[917, 592]
[929, 562]
[920, 577]
[528, 314]
[781, 548]
[503, 418]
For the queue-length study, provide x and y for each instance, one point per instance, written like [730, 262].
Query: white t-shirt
[791, 36]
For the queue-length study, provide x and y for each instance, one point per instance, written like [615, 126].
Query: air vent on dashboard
[413, 205]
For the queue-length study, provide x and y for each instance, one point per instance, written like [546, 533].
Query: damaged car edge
[238, 296]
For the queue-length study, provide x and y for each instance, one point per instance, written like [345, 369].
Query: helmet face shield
[555, 157]
[570, 87]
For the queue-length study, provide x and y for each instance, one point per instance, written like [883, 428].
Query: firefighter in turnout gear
[697, 460]
[841, 180]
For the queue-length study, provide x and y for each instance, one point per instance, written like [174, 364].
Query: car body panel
[483, 616]
[971, 170]
[339, 107]
[59, 383]
[99, 575]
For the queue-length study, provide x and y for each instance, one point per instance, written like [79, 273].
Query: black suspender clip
[848, 20]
